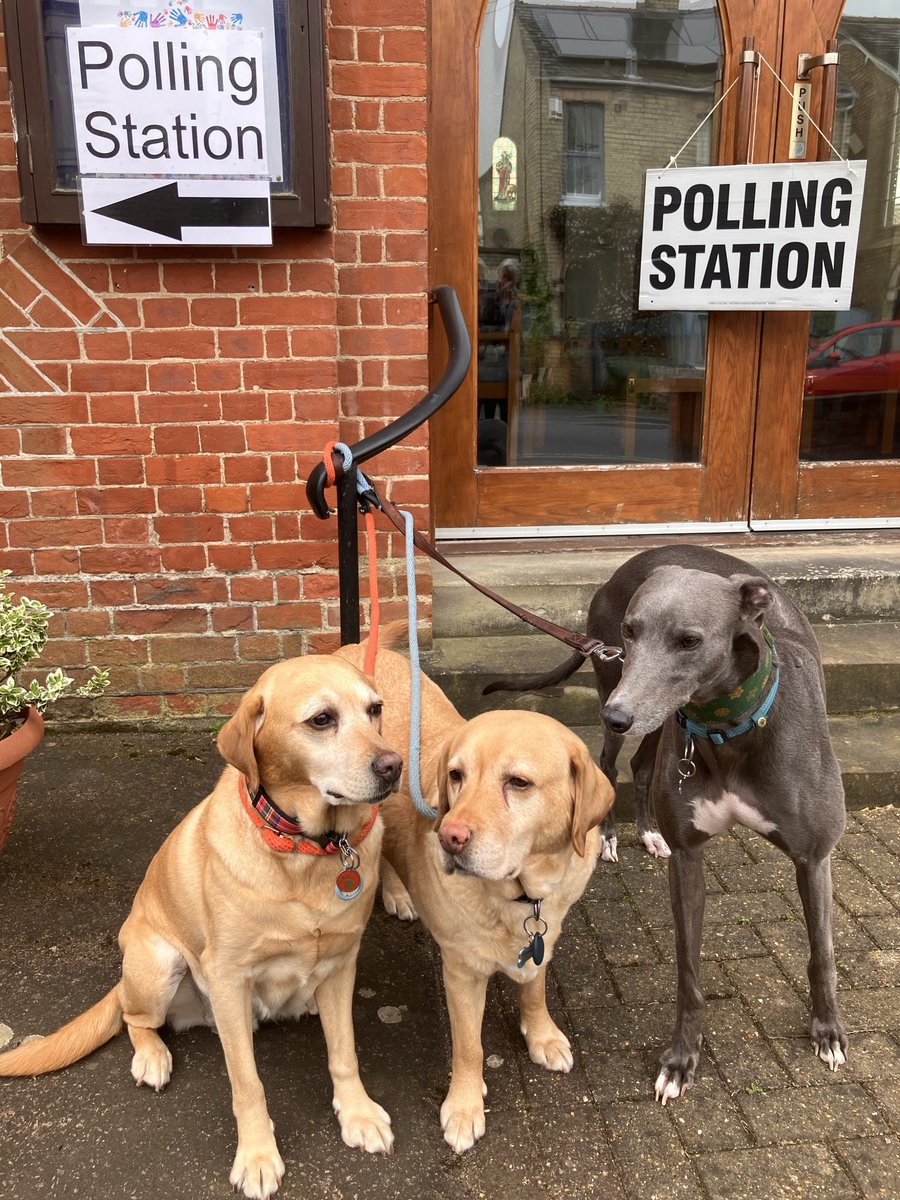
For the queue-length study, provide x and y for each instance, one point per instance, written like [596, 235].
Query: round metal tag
[348, 884]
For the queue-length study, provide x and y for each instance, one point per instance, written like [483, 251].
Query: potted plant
[23, 632]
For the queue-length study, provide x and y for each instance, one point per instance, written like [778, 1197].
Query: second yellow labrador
[518, 798]
[255, 905]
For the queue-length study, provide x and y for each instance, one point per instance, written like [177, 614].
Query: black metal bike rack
[346, 481]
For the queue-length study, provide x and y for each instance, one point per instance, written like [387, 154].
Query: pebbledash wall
[160, 412]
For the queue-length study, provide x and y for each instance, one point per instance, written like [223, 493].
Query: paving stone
[746, 908]
[746, 1061]
[645, 983]
[773, 1002]
[756, 846]
[871, 1008]
[582, 976]
[727, 850]
[644, 1141]
[874, 968]
[886, 1094]
[621, 1074]
[758, 877]
[852, 934]
[708, 1119]
[856, 893]
[627, 944]
[884, 931]
[870, 856]
[872, 1056]
[874, 1162]
[809, 1114]
[778, 1173]
[882, 824]
[628, 1027]
[572, 1153]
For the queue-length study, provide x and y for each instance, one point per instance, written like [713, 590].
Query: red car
[859, 360]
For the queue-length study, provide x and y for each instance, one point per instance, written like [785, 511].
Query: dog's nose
[454, 837]
[618, 720]
[388, 766]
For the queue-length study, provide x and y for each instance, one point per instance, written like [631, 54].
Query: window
[583, 153]
[42, 105]
[862, 344]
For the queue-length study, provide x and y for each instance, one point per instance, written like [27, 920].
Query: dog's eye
[690, 642]
[627, 633]
[518, 782]
[455, 775]
[321, 720]
[375, 709]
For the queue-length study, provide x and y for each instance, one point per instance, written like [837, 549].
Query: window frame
[585, 199]
[43, 202]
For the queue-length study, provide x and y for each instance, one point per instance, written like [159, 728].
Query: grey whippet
[701, 631]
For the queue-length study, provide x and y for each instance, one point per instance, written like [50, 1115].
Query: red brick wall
[160, 411]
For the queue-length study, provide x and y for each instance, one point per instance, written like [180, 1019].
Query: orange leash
[372, 555]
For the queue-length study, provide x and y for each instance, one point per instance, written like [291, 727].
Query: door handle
[829, 63]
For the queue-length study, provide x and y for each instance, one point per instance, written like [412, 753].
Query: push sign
[182, 105]
[751, 237]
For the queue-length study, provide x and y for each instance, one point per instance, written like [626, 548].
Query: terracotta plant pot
[13, 752]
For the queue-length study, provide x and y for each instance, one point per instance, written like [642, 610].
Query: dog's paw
[676, 1075]
[829, 1043]
[609, 848]
[655, 844]
[257, 1172]
[366, 1126]
[462, 1122]
[398, 902]
[550, 1049]
[152, 1065]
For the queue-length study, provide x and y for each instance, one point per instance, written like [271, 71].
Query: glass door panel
[853, 365]
[575, 103]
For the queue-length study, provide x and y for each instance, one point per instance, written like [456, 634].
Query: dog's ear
[754, 596]
[593, 797]
[236, 740]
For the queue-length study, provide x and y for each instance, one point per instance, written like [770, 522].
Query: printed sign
[168, 103]
[194, 212]
[751, 237]
[199, 16]
[800, 119]
[183, 105]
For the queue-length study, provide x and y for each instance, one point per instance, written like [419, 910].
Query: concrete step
[855, 581]
[861, 660]
[867, 748]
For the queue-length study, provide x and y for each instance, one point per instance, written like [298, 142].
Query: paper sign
[751, 237]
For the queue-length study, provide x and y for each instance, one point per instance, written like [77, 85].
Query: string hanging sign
[779, 235]
[751, 237]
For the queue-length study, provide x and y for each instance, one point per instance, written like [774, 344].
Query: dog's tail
[535, 682]
[394, 635]
[68, 1044]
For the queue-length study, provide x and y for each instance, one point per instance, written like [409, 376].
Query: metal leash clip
[608, 653]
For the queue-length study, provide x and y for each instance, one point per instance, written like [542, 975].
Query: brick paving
[765, 1120]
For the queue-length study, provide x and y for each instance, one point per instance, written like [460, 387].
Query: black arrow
[162, 210]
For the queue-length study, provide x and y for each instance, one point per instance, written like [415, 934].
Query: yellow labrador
[255, 905]
[518, 797]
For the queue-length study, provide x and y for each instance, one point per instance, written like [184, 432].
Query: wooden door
[736, 438]
[827, 448]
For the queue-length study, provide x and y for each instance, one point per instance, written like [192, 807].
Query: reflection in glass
[853, 363]
[589, 95]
